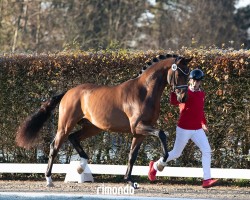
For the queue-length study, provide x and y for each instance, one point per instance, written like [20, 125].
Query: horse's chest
[150, 112]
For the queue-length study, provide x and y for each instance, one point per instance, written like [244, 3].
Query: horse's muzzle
[181, 93]
[181, 87]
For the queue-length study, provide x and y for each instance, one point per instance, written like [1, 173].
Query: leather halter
[174, 68]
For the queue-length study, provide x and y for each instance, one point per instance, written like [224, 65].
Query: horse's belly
[117, 122]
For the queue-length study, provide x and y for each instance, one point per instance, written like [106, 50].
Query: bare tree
[54, 25]
[188, 23]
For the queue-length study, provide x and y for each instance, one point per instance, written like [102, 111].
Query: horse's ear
[185, 61]
[189, 59]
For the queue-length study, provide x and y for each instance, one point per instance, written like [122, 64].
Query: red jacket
[192, 115]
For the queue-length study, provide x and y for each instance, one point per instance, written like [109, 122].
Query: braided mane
[155, 60]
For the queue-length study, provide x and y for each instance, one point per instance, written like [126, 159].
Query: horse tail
[27, 133]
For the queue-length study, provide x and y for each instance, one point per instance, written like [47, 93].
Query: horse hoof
[135, 185]
[80, 170]
[50, 185]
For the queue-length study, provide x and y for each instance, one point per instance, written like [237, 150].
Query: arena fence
[73, 176]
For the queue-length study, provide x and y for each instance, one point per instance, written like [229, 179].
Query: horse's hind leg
[135, 146]
[87, 130]
[54, 148]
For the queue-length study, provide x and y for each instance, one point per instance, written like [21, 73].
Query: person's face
[195, 84]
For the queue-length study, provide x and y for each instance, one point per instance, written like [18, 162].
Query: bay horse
[130, 107]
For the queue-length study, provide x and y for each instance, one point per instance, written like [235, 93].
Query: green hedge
[27, 80]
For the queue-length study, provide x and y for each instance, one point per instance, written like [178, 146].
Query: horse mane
[157, 59]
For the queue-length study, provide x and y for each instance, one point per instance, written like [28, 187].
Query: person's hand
[204, 127]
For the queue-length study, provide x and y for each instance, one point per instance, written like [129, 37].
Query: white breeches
[200, 139]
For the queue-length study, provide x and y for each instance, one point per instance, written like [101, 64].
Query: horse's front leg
[162, 162]
[149, 130]
[135, 146]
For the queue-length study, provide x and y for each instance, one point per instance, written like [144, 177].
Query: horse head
[176, 69]
[178, 77]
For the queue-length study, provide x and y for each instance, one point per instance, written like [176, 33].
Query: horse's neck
[155, 82]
